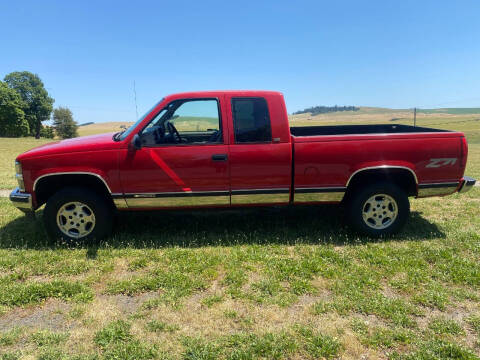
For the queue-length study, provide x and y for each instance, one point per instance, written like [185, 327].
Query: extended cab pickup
[236, 148]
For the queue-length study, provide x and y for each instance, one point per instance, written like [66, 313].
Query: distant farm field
[459, 111]
[468, 123]
[248, 284]
[100, 128]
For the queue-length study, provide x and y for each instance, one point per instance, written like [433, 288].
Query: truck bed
[359, 130]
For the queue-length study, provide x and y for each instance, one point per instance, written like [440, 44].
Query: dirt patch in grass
[459, 315]
[129, 304]
[50, 315]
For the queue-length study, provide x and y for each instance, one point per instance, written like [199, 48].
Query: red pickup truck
[236, 148]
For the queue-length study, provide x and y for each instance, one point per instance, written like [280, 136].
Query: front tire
[77, 214]
[379, 209]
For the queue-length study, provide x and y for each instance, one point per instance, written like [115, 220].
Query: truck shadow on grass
[287, 226]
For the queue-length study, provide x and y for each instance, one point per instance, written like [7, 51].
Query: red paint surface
[319, 161]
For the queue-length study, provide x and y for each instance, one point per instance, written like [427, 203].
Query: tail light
[464, 152]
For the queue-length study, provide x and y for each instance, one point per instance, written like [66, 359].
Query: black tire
[102, 212]
[357, 204]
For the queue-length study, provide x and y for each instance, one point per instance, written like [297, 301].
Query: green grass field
[248, 284]
[9, 149]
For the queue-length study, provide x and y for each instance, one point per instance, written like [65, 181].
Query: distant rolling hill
[105, 127]
[463, 119]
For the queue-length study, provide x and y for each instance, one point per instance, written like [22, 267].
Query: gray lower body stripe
[177, 194]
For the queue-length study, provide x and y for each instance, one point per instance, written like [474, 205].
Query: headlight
[19, 175]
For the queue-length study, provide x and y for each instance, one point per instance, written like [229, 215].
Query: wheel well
[49, 185]
[401, 177]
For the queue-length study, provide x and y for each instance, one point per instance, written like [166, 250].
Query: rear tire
[77, 214]
[379, 209]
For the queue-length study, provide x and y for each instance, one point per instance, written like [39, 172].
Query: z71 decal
[436, 163]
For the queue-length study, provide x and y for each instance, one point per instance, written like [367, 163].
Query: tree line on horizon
[25, 104]
[315, 110]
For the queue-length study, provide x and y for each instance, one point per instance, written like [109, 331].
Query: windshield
[127, 132]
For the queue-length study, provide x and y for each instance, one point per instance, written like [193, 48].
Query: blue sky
[375, 53]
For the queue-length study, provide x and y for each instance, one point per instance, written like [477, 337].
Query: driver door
[183, 161]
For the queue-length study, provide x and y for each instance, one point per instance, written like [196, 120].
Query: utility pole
[414, 117]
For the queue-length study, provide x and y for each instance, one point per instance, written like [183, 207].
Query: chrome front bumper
[467, 184]
[21, 200]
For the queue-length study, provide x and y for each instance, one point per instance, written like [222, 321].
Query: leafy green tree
[47, 132]
[63, 122]
[315, 110]
[38, 104]
[12, 117]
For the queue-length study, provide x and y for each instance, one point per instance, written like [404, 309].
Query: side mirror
[136, 142]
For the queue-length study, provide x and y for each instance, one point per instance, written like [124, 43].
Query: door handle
[219, 157]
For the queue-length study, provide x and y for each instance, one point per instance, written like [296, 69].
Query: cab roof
[215, 93]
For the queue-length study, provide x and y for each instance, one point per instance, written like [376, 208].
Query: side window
[195, 121]
[251, 120]
[196, 116]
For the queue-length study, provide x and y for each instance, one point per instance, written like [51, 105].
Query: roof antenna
[135, 95]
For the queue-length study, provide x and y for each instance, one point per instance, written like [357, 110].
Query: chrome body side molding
[437, 189]
[201, 198]
[260, 196]
[119, 201]
[175, 199]
[320, 194]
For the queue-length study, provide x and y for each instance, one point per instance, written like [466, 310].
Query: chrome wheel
[75, 219]
[380, 211]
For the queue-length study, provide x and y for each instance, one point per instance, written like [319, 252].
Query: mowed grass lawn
[9, 150]
[246, 284]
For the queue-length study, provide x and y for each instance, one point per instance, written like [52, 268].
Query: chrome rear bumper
[21, 200]
[467, 184]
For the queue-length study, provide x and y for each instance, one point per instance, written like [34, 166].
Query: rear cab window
[251, 120]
